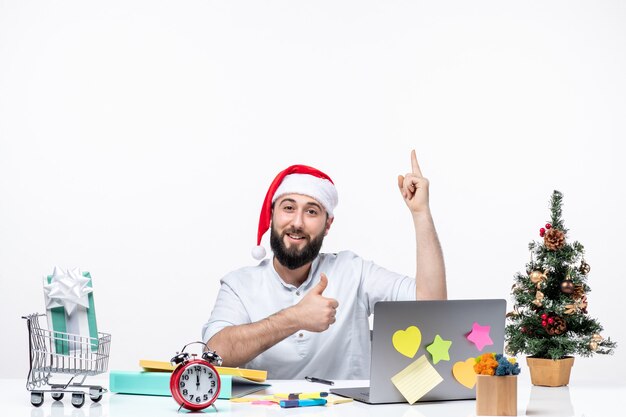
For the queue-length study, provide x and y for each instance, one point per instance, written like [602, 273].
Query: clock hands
[198, 380]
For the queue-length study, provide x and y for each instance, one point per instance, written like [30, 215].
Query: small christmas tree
[550, 318]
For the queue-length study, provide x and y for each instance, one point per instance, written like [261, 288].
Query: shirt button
[298, 293]
[300, 335]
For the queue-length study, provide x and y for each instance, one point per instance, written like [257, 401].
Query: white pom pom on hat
[296, 179]
[258, 252]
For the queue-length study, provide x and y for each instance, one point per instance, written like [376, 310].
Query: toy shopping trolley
[53, 352]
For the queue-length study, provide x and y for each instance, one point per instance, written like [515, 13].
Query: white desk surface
[578, 399]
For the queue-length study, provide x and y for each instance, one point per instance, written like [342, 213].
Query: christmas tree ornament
[556, 325]
[567, 286]
[579, 292]
[548, 226]
[584, 268]
[538, 278]
[578, 306]
[554, 239]
[595, 339]
[512, 313]
[516, 288]
[538, 301]
[542, 232]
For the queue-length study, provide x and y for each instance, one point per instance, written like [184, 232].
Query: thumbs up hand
[321, 286]
[315, 312]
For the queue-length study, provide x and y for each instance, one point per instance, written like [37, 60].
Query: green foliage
[527, 331]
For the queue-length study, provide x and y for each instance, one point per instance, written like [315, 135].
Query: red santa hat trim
[297, 179]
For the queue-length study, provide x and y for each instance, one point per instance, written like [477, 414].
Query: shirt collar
[309, 279]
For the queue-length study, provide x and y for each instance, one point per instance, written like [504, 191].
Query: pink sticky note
[263, 402]
[480, 336]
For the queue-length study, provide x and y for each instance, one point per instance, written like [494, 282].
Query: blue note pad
[158, 383]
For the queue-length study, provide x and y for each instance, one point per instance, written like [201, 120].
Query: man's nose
[298, 220]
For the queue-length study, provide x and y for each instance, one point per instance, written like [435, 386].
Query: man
[305, 313]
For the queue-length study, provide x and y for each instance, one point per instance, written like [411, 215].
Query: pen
[302, 403]
[320, 380]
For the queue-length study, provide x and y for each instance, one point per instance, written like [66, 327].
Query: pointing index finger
[414, 165]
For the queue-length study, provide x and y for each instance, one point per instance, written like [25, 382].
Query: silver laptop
[452, 320]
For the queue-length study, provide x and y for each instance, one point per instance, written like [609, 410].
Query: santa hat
[297, 179]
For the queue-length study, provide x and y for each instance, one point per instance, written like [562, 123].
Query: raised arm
[430, 274]
[238, 345]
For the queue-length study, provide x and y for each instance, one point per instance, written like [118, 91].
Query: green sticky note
[439, 349]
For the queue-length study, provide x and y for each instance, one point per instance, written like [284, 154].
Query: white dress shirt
[253, 293]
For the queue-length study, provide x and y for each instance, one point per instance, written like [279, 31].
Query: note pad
[416, 380]
[161, 366]
[158, 383]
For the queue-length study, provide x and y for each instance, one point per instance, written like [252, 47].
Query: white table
[579, 399]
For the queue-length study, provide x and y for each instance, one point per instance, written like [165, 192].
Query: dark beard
[294, 258]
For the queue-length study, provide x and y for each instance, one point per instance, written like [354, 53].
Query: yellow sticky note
[416, 380]
[336, 399]
[252, 399]
[407, 341]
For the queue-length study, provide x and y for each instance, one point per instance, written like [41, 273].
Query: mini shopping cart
[70, 355]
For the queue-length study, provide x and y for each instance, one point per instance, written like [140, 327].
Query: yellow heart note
[464, 372]
[407, 341]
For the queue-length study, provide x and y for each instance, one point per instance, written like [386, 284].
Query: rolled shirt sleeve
[227, 311]
[380, 284]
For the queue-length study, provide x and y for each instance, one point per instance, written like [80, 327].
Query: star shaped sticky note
[439, 349]
[480, 336]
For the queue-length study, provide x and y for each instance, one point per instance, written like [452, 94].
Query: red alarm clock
[195, 383]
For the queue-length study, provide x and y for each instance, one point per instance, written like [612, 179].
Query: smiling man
[303, 312]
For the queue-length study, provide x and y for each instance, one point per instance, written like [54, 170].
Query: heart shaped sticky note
[407, 341]
[464, 373]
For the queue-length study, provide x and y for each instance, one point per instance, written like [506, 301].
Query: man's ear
[329, 221]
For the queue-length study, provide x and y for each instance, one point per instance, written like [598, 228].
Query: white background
[138, 138]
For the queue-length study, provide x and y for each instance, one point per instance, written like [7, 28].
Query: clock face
[198, 384]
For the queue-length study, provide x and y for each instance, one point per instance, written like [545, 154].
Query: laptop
[452, 320]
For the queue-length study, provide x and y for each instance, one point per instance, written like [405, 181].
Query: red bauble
[550, 320]
[523, 329]
[548, 225]
[544, 316]
[544, 323]
[542, 232]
